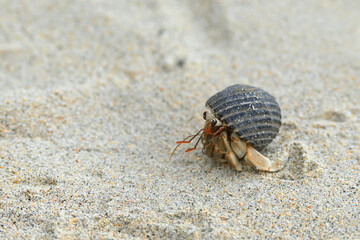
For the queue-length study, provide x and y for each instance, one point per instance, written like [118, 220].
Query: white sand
[94, 94]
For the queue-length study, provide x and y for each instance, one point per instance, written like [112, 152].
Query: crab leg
[230, 155]
[260, 162]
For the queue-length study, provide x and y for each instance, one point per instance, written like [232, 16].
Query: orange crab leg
[191, 149]
[185, 141]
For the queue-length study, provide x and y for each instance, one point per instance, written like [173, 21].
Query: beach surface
[94, 94]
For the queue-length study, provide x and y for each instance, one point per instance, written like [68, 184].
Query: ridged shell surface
[249, 111]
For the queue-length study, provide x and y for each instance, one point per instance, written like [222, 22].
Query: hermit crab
[241, 121]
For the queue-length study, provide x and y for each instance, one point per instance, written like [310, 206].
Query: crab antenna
[197, 142]
[185, 141]
[179, 145]
[193, 136]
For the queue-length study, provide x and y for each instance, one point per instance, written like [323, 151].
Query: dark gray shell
[249, 111]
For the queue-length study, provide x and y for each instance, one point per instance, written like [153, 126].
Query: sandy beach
[94, 95]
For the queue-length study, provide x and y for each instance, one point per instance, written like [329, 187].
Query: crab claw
[260, 162]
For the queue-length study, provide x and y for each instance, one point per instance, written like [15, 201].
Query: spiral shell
[249, 111]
